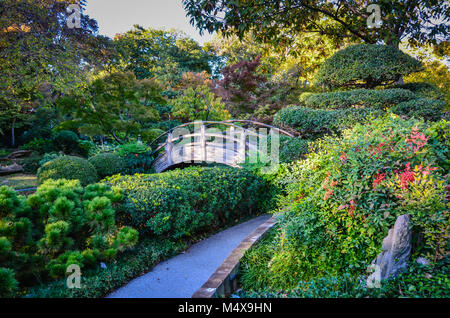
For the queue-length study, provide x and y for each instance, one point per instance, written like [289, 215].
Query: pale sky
[118, 16]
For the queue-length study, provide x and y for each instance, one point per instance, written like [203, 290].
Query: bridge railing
[198, 146]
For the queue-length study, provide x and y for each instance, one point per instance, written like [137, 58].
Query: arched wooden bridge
[227, 142]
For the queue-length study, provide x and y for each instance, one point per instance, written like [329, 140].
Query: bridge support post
[242, 145]
[203, 143]
[169, 149]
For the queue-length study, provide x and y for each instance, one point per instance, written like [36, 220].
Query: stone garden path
[182, 275]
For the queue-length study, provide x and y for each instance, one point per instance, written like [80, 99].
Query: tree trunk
[13, 137]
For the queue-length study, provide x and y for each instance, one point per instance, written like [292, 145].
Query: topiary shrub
[366, 65]
[66, 141]
[428, 109]
[313, 123]
[181, 203]
[422, 89]
[70, 168]
[359, 98]
[107, 164]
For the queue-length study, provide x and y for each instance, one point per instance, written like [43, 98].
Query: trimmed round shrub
[66, 141]
[366, 65]
[107, 164]
[359, 98]
[70, 168]
[428, 109]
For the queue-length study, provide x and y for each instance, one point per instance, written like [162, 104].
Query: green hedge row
[313, 123]
[358, 98]
[426, 108]
[184, 202]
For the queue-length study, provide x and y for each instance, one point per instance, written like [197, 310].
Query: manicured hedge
[366, 65]
[70, 168]
[313, 123]
[428, 109]
[184, 202]
[422, 89]
[359, 98]
[108, 164]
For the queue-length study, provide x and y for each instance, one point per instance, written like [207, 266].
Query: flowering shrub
[348, 192]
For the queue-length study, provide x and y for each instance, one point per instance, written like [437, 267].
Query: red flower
[328, 194]
[352, 208]
[378, 178]
[407, 176]
[416, 140]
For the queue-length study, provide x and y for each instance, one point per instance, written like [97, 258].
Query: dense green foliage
[66, 141]
[366, 65]
[345, 177]
[344, 197]
[101, 281]
[61, 224]
[293, 149]
[422, 89]
[68, 167]
[426, 108]
[417, 281]
[313, 123]
[281, 21]
[137, 157]
[186, 202]
[107, 164]
[358, 98]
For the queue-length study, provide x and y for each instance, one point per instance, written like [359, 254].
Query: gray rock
[423, 261]
[396, 249]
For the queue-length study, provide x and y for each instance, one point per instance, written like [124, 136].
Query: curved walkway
[182, 275]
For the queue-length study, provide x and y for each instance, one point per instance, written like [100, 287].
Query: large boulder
[396, 250]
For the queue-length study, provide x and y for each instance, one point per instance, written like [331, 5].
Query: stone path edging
[223, 282]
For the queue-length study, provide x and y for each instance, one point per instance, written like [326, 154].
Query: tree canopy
[413, 20]
[157, 53]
